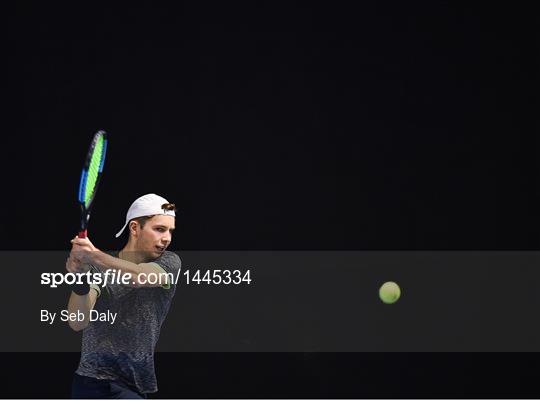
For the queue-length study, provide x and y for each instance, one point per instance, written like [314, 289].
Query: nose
[167, 238]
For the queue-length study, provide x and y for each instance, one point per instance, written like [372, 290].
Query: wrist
[92, 257]
[81, 289]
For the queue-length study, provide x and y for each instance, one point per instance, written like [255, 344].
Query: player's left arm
[140, 273]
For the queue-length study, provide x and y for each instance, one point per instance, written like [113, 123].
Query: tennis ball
[389, 292]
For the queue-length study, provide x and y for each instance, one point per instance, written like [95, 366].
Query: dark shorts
[88, 387]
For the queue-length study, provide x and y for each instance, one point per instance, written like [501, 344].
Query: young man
[117, 357]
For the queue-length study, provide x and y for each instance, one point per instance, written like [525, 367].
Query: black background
[301, 126]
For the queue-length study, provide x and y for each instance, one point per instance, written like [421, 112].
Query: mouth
[160, 249]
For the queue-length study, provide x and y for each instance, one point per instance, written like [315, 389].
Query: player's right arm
[84, 304]
[80, 303]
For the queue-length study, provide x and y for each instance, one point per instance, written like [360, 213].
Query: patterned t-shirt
[124, 351]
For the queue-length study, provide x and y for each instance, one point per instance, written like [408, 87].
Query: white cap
[146, 205]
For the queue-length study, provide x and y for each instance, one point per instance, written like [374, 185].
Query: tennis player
[117, 357]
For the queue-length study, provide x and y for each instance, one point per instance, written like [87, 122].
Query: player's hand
[74, 265]
[82, 250]
[83, 243]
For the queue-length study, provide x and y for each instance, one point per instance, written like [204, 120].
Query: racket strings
[90, 175]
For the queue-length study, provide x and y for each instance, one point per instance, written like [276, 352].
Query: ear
[134, 228]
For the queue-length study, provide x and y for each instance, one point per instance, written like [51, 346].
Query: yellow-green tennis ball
[389, 292]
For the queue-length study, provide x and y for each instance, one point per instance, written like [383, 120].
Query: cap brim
[119, 233]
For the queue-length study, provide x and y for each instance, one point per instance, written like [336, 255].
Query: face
[155, 236]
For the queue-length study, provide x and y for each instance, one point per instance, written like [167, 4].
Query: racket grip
[83, 233]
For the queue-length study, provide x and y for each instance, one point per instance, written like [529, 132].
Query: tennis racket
[90, 176]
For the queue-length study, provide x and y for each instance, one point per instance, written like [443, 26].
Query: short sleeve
[96, 288]
[171, 264]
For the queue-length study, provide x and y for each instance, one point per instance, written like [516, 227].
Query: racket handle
[83, 234]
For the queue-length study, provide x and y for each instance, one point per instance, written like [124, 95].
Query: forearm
[105, 261]
[83, 304]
